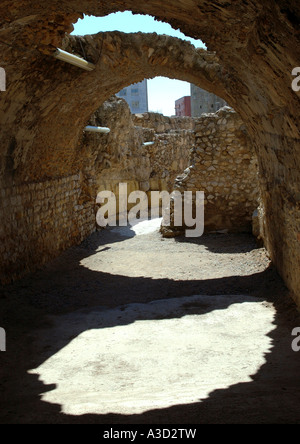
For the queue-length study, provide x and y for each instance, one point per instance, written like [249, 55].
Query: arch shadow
[65, 286]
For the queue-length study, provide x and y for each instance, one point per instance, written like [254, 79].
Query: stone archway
[42, 163]
[258, 45]
[55, 113]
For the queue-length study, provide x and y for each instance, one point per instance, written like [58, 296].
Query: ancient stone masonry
[63, 102]
[163, 124]
[39, 220]
[168, 156]
[173, 139]
[118, 156]
[124, 155]
[52, 215]
[253, 46]
[223, 165]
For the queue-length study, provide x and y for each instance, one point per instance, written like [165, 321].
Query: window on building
[123, 93]
[134, 91]
[135, 104]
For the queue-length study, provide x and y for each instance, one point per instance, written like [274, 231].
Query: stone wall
[40, 220]
[173, 139]
[163, 124]
[168, 156]
[47, 104]
[223, 165]
[52, 215]
[118, 156]
[121, 155]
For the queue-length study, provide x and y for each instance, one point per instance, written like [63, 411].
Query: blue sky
[162, 91]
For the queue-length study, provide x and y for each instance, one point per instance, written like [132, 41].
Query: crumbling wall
[223, 165]
[163, 124]
[40, 219]
[168, 156]
[47, 104]
[173, 138]
[118, 156]
[144, 151]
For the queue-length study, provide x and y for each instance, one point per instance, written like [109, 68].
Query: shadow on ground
[273, 396]
[220, 242]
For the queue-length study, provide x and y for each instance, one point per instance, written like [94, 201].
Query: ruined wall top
[162, 123]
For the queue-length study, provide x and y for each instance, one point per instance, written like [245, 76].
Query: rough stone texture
[43, 114]
[40, 220]
[52, 215]
[121, 155]
[163, 124]
[173, 139]
[61, 98]
[168, 156]
[223, 165]
[47, 103]
[118, 156]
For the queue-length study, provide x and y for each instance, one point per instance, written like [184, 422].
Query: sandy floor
[132, 328]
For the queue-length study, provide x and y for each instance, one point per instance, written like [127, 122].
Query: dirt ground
[132, 328]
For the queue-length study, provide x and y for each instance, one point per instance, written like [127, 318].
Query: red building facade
[183, 107]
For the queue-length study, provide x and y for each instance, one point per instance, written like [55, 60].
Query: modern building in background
[183, 107]
[204, 102]
[136, 96]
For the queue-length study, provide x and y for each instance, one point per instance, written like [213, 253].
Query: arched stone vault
[257, 43]
[51, 121]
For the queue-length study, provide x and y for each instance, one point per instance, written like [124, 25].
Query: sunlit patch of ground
[139, 228]
[144, 356]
